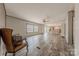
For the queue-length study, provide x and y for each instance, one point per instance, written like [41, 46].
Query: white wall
[2, 16]
[62, 29]
[76, 29]
[66, 29]
[2, 25]
[19, 26]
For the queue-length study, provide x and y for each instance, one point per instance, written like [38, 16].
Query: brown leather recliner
[6, 35]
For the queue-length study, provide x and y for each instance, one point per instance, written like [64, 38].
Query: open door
[70, 27]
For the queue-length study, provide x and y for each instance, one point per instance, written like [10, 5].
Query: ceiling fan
[46, 19]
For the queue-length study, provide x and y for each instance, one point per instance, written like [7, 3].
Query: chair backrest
[6, 35]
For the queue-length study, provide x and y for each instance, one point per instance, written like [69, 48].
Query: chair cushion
[17, 48]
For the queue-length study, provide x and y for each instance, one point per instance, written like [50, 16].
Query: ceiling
[38, 11]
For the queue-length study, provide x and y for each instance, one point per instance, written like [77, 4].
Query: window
[35, 28]
[29, 28]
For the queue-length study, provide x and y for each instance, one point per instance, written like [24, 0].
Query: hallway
[48, 44]
[50, 29]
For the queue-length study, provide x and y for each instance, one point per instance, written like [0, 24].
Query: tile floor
[47, 44]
